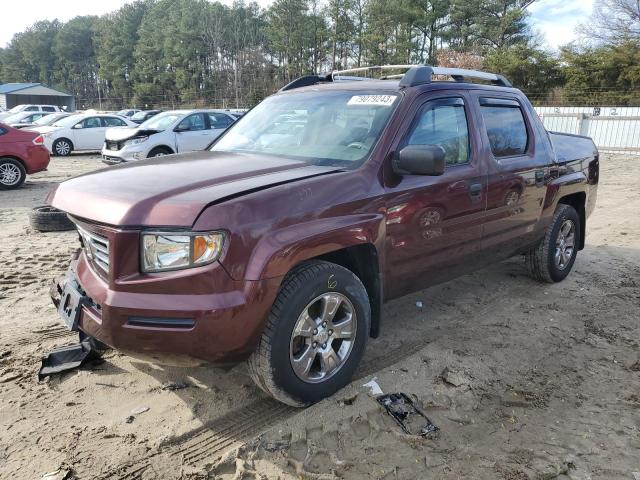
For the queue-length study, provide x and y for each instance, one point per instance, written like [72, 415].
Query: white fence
[613, 129]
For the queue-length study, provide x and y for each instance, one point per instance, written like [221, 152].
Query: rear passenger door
[434, 223]
[518, 163]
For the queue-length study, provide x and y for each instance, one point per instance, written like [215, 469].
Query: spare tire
[49, 219]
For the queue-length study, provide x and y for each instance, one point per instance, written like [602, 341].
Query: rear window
[506, 128]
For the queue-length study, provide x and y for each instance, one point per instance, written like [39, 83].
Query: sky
[554, 19]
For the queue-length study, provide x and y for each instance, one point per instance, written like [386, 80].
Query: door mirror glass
[77, 126]
[420, 160]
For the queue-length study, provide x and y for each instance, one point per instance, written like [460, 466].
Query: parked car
[170, 132]
[21, 153]
[49, 119]
[30, 108]
[23, 119]
[284, 252]
[80, 132]
[144, 115]
[127, 112]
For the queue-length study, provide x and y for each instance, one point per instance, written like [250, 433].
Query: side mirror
[420, 160]
[77, 126]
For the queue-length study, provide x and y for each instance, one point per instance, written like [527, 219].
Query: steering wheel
[358, 145]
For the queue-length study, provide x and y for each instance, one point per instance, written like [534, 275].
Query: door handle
[475, 189]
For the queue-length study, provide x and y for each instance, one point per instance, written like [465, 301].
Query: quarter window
[444, 123]
[506, 129]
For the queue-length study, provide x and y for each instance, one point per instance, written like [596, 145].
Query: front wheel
[552, 260]
[315, 335]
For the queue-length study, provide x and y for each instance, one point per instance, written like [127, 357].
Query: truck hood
[171, 191]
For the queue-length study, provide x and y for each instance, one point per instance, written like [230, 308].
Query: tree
[613, 21]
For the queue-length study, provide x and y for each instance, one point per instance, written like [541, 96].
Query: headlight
[135, 141]
[176, 251]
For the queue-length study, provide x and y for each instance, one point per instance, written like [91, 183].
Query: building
[12, 94]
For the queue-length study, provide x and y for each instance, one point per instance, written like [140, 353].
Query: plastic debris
[406, 414]
[420, 305]
[67, 358]
[374, 388]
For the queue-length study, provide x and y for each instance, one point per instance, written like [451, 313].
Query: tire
[62, 147]
[159, 152]
[12, 173]
[305, 289]
[49, 219]
[544, 262]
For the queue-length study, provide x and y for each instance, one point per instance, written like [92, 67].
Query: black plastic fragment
[406, 414]
[67, 358]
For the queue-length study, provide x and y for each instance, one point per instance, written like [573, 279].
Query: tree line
[171, 53]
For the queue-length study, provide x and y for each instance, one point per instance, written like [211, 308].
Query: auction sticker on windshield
[381, 100]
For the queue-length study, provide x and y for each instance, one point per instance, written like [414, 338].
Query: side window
[219, 120]
[113, 122]
[32, 108]
[192, 122]
[2, 131]
[443, 123]
[91, 122]
[48, 109]
[505, 126]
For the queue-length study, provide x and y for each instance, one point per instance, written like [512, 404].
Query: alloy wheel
[9, 174]
[565, 244]
[323, 337]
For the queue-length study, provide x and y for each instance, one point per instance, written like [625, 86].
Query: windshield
[17, 108]
[48, 119]
[139, 116]
[162, 121]
[335, 128]
[15, 118]
[68, 122]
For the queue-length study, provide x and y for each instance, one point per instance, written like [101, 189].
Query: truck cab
[280, 243]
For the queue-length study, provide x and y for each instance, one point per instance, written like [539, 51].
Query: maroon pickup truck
[279, 244]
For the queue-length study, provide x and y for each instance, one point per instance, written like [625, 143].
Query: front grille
[114, 146]
[96, 248]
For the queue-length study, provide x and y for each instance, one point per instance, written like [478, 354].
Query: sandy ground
[540, 381]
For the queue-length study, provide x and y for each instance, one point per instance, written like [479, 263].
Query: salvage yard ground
[524, 380]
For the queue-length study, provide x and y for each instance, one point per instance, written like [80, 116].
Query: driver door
[192, 133]
[434, 223]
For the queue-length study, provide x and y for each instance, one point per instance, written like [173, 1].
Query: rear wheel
[12, 173]
[552, 260]
[62, 147]
[315, 334]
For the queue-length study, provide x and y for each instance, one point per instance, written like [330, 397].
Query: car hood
[122, 133]
[171, 191]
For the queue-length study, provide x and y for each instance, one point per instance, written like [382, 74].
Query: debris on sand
[406, 414]
[171, 386]
[374, 388]
[59, 474]
[67, 358]
[348, 400]
[455, 377]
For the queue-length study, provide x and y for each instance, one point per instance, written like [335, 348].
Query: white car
[80, 132]
[30, 108]
[170, 132]
[23, 119]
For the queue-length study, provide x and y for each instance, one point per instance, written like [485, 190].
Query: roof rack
[415, 75]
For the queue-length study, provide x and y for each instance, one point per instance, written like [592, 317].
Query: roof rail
[415, 75]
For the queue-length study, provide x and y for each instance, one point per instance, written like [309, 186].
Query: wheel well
[161, 147]
[578, 201]
[10, 157]
[363, 261]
